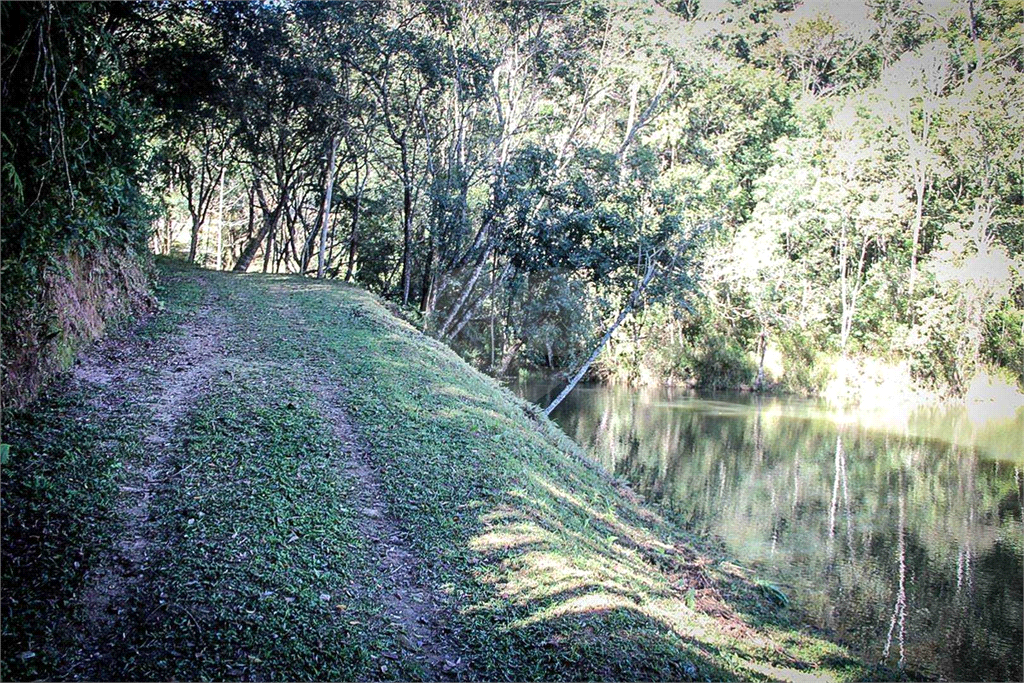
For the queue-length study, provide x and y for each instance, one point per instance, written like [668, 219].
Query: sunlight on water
[898, 530]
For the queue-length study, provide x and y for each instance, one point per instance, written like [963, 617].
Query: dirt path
[184, 362]
[191, 357]
[413, 606]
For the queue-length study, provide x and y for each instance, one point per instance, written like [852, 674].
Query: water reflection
[900, 532]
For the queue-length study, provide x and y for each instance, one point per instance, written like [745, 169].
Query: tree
[912, 91]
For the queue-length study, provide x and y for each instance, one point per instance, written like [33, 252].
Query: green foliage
[688, 350]
[716, 362]
[805, 369]
[786, 166]
[892, 183]
[772, 592]
[1004, 338]
[73, 146]
[70, 134]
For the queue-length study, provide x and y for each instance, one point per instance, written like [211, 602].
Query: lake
[898, 531]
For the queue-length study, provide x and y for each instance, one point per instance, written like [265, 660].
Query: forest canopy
[765, 193]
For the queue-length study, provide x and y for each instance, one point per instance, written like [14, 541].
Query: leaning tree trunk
[468, 313]
[249, 252]
[507, 357]
[634, 297]
[464, 296]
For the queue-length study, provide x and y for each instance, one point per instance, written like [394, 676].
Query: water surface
[900, 532]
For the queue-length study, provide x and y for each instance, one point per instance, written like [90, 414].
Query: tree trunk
[194, 243]
[763, 344]
[170, 234]
[495, 283]
[508, 356]
[268, 249]
[307, 246]
[918, 218]
[844, 333]
[465, 293]
[321, 261]
[979, 56]
[428, 278]
[220, 222]
[251, 223]
[406, 226]
[634, 297]
[353, 239]
[249, 252]
[491, 326]
[353, 242]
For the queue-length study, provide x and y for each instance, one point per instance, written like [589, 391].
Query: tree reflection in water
[899, 610]
[929, 571]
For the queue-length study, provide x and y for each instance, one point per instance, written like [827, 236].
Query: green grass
[544, 567]
[58, 489]
[260, 549]
[58, 492]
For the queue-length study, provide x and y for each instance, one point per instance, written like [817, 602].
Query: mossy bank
[276, 478]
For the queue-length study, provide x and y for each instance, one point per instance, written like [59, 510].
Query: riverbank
[900, 534]
[274, 478]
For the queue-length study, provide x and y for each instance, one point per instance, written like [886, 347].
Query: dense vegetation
[72, 133]
[76, 212]
[763, 192]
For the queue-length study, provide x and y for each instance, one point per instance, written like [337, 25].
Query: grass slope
[541, 566]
